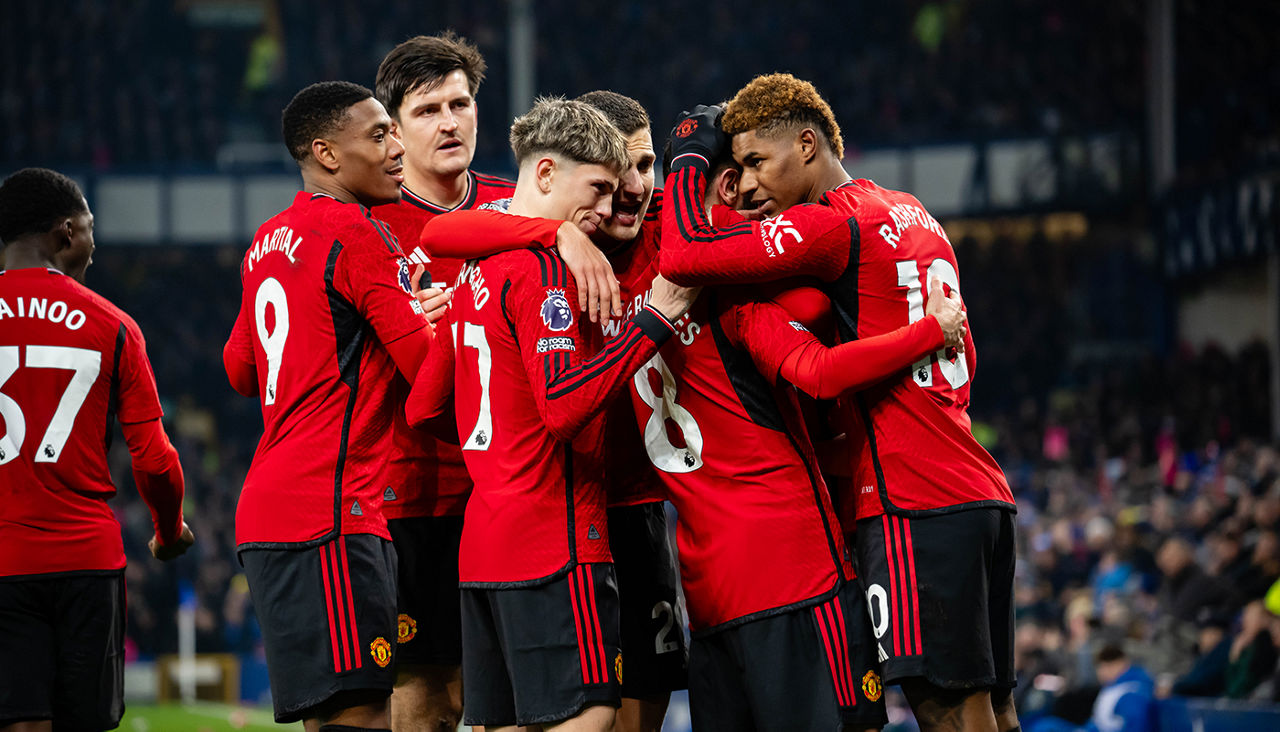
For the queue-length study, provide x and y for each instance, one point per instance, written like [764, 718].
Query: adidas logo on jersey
[388, 494]
[355, 509]
[417, 256]
[592, 533]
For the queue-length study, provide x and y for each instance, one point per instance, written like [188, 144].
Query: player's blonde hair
[572, 130]
[774, 102]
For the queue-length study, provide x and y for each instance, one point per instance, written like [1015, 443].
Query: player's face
[773, 171]
[582, 193]
[369, 155]
[635, 190]
[438, 127]
[80, 250]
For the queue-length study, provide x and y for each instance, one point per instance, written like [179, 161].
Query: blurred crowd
[159, 82]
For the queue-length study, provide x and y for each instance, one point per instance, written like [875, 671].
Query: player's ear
[807, 144]
[395, 127]
[326, 154]
[546, 170]
[727, 186]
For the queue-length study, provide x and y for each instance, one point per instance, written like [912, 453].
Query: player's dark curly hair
[624, 112]
[775, 101]
[424, 61]
[32, 200]
[317, 111]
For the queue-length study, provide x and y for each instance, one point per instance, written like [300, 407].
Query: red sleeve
[139, 401]
[825, 373]
[237, 358]
[433, 386]
[373, 276]
[808, 240]
[568, 389]
[478, 233]
[158, 474]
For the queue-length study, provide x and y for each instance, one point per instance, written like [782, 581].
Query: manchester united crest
[871, 686]
[380, 649]
[617, 666]
[406, 628]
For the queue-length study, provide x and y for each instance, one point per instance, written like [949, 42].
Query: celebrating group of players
[460, 485]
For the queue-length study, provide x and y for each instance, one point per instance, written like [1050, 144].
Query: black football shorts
[813, 668]
[940, 593]
[429, 617]
[652, 620]
[328, 618]
[62, 650]
[532, 655]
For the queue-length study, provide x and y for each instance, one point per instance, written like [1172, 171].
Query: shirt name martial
[281, 240]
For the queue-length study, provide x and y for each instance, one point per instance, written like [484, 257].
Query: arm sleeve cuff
[655, 325]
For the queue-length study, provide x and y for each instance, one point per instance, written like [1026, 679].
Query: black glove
[695, 140]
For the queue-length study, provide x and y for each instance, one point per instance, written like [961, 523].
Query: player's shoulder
[107, 312]
[491, 187]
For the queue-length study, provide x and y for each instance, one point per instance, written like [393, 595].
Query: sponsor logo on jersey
[555, 343]
[617, 666]
[871, 686]
[774, 231]
[556, 313]
[406, 628]
[380, 649]
[798, 326]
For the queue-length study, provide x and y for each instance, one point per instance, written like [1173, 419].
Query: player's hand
[697, 135]
[598, 293]
[176, 548]
[949, 310]
[671, 299]
[433, 300]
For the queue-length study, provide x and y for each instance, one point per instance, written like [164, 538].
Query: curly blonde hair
[773, 102]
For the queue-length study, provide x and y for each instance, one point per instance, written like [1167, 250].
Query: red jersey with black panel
[425, 475]
[912, 447]
[71, 363]
[757, 534]
[325, 288]
[530, 388]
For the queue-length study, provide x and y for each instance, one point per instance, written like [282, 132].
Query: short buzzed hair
[572, 130]
[774, 102]
[424, 61]
[624, 112]
[318, 111]
[32, 200]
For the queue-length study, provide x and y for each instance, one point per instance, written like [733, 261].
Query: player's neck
[443, 192]
[28, 254]
[526, 200]
[830, 176]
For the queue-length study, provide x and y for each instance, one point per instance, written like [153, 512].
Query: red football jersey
[629, 478]
[425, 475]
[530, 391]
[756, 531]
[325, 287]
[913, 450]
[70, 364]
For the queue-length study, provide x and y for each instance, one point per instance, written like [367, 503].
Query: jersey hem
[893, 510]
[62, 573]
[522, 584]
[771, 612]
